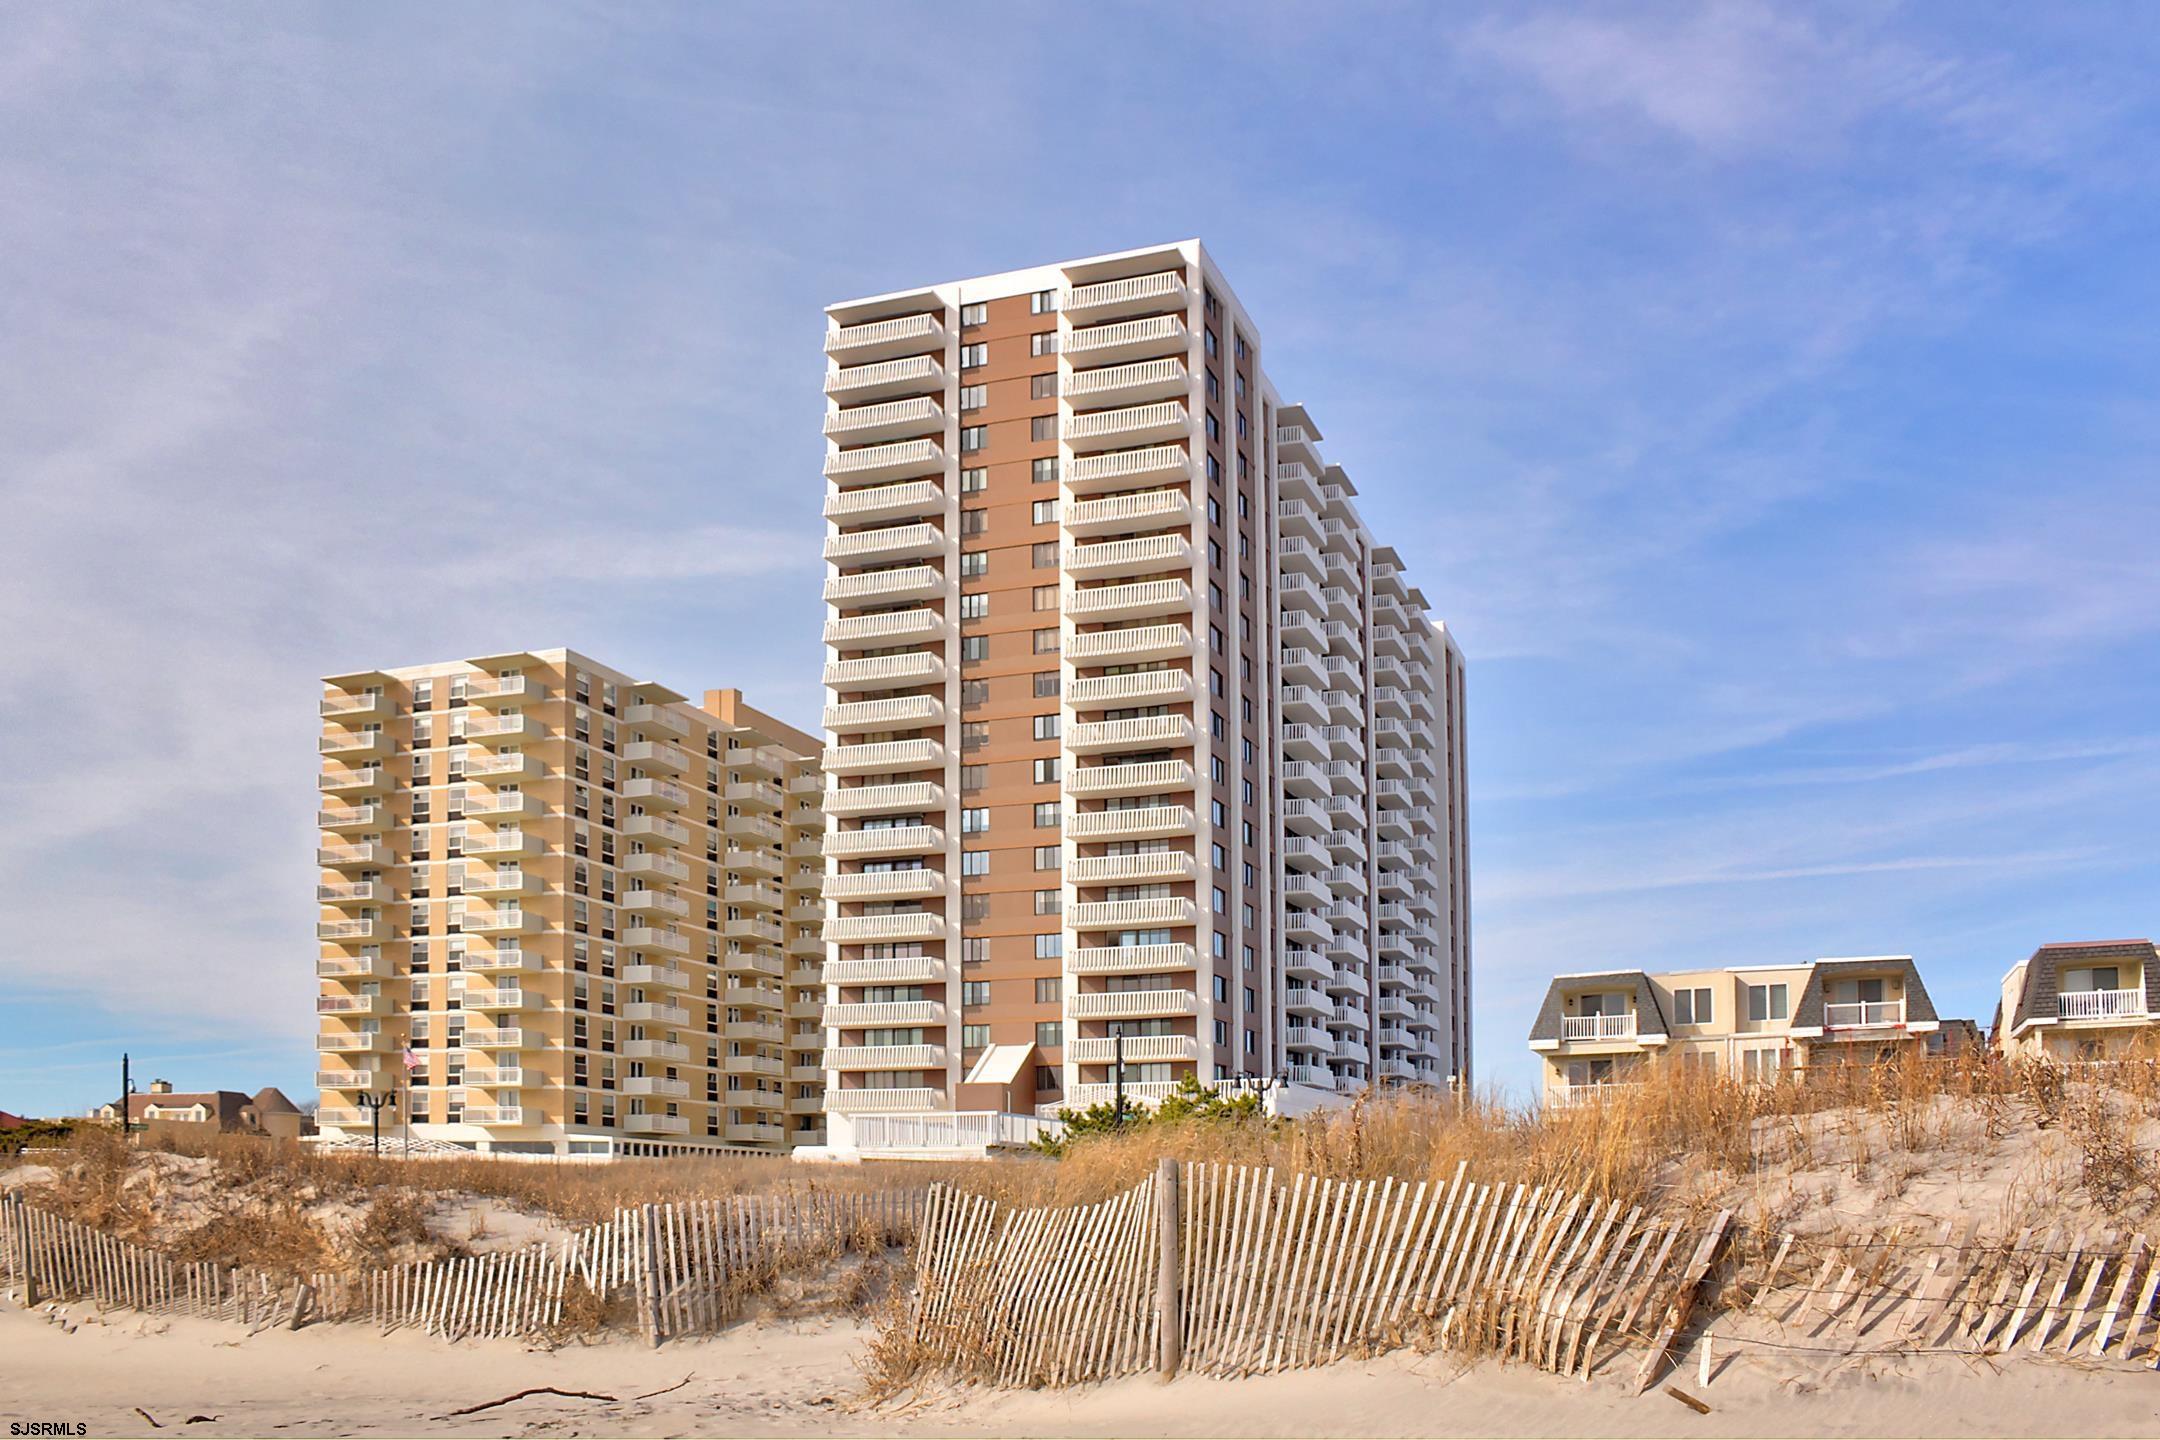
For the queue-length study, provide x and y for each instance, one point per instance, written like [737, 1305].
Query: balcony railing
[891, 840]
[1132, 1004]
[882, 1013]
[887, 419]
[918, 795]
[1597, 1027]
[894, 712]
[1134, 823]
[1135, 510]
[1141, 380]
[1125, 602]
[1123, 869]
[902, 335]
[886, 672]
[841, 1100]
[1129, 646]
[1164, 290]
[1122, 469]
[887, 377]
[1148, 777]
[886, 627]
[901, 460]
[1140, 687]
[877, 587]
[1863, 1014]
[885, 885]
[1139, 1049]
[2099, 1004]
[1125, 914]
[1127, 339]
[884, 929]
[1131, 424]
[1174, 731]
[883, 1057]
[889, 542]
[895, 970]
[1132, 959]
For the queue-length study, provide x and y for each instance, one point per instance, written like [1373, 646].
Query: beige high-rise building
[565, 911]
[1135, 730]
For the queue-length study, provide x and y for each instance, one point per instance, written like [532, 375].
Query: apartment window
[1049, 857]
[973, 778]
[974, 564]
[1222, 901]
[1239, 341]
[1047, 815]
[974, 522]
[973, 397]
[1214, 386]
[975, 314]
[1046, 770]
[1044, 471]
[1049, 1033]
[1045, 555]
[1042, 427]
[974, 648]
[974, 821]
[1043, 302]
[1766, 1002]
[974, 993]
[974, 479]
[974, 1037]
[1222, 1036]
[974, 734]
[974, 355]
[1047, 684]
[1047, 1080]
[1691, 1007]
[974, 950]
[1212, 345]
[1049, 989]
[1043, 342]
[973, 438]
[1044, 512]
[1046, 642]
[974, 908]
[974, 693]
[1043, 387]
[1049, 902]
[974, 607]
[1045, 598]
[1046, 727]
[974, 862]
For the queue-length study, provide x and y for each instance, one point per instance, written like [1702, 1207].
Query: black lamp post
[375, 1104]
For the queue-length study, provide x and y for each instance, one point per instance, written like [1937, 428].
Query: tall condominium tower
[1135, 733]
[558, 911]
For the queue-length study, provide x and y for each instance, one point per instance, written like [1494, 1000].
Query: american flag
[412, 1061]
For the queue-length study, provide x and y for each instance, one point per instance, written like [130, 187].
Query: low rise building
[2083, 1000]
[1753, 1022]
[227, 1112]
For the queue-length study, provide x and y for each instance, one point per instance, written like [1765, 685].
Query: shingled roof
[1808, 1013]
[2036, 997]
[1647, 1010]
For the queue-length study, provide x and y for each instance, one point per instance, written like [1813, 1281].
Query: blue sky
[1764, 394]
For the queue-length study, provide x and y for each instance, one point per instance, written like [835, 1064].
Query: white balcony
[655, 902]
[1169, 731]
[1129, 646]
[498, 807]
[900, 460]
[905, 500]
[1146, 687]
[1128, 425]
[352, 1004]
[896, 970]
[1132, 959]
[899, 712]
[1128, 602]
[883, 1014]
[892, 840]
[1128, 869]
[1140, 556]
[912, 925]
[1864, 1015]
[885, 544]
[339, 706]
[1139, 1049]
[354, 967]
[655, 1012]
[885, 420]
[884, 757]
[367, 1043]
[1127, 340]
[501, 690]
[502, 962]
[885, 587]
[1132, 1004]
[1135, 295]
[915, 375]
[658, 1086]
[656, 755]
[501, 920]
[1141, 380]
[878, 339]
[656, 865]
[1137, 1092]
[355, 745]
[509, 765]
[500, 997]
[655, 1050]
[885, 627]
[1125, 469]
[840, 1100]
[350, 929]
[882, 1057]
[1150, 777]
[353, 817]
[1126, 914]
[1597, 1027]
[356, 892]
[2085, 1005]
[1134, 510]
[885, 885]
[648, 937]
[656, 830]
[1132, 824]
[909, 798]
[657, 717]
[886, 672]
[366, 780]
[493, 730]
[346, 1079]
[652, 1122]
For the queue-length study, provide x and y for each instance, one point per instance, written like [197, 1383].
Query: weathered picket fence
[2063, 1293]
[1234, 1270]
[684, 1268]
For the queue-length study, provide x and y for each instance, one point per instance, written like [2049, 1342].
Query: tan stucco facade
[566, 911]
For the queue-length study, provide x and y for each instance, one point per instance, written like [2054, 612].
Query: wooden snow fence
[684, 1267]
[1234, 1271]
[2083, 1293]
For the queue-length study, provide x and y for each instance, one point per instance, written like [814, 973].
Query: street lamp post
[1117, 1060]
[375, 1104]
